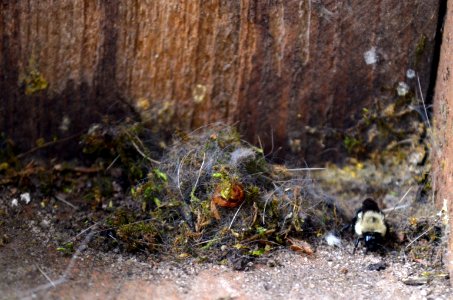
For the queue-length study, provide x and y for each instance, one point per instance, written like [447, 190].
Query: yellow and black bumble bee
[369, 226]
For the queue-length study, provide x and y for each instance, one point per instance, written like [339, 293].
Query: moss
[252, 193]
[420, 47]
[66, 249]
[120, 217]
[101, 191]
[137, 236]
[33, 80]
[120, 146]
[8, 155]
[150, 192]
[170, 208]
[352, 144]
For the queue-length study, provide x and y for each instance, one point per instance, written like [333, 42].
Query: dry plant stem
[199, 174]
[234, 217]
[265, 203]
[434, 189]
[79, 250]
[63, 278]
[429, 126]
[45, 275]
[143, 154]
[66, 202]
[112, 163]
[272, 142]
[83, 231]
[418, 237]
[178, 173]
[208, 241]
[396, 206]
[259, 142]
[305, 169]
[423, 101]
[48, 144]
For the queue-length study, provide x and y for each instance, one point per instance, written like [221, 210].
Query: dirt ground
[31, 268]
[57, 237]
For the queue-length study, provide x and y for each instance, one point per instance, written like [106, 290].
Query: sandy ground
[32, 268]
[331, 273]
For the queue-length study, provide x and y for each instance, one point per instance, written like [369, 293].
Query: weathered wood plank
[273, 67]
[442, 142]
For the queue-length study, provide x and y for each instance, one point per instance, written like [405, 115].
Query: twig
[143, 154]
[79, 250]
[45, 275]
[112, 237]
[86, 170]
[258, 236]
[423, 101]
[305, 169]
[265, 203]
[112, 163]
[60, 198]
[418, 237]
[401, 200]
[84, 230]
[261, 145]
[29, 293]
[234, 217]
[208, 241]
[395, 208]
[48, 144]
[433, 178]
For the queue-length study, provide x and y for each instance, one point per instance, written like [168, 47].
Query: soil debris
[210, 199]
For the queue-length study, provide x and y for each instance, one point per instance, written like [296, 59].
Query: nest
[212, 190]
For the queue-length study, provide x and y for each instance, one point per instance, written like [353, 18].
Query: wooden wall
[292, 73]
[442, 135]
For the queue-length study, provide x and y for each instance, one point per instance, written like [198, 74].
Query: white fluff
[370, 56]
[25, 197]
[241, 154]
[333, 240]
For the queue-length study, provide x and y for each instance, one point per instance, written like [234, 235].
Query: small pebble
[402, 89]
[271, 263]
[410, 73]
[415, 280]
[377, 266]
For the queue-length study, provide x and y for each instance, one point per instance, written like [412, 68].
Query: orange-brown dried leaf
[214, 210]
[300, 246]
[236, 196]
[237, 193]
[218, 200]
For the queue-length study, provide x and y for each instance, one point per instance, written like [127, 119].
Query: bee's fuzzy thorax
[370, 221]
[370, 226]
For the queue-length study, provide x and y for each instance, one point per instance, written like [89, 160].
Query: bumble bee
[370, 226]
